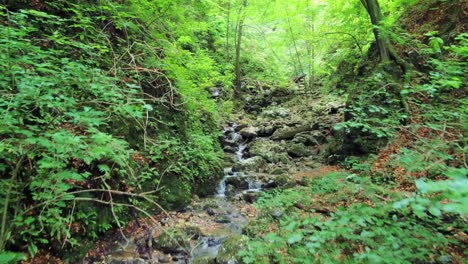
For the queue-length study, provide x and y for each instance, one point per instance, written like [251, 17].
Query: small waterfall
[240, 151]
[231, 133]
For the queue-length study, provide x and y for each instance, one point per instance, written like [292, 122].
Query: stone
[193, 232]
[172, 240]
[238, 182]
[305, 138]
[250, 197]
[290, 132]
[222, 219]
[277, 112]
[276, 213]
[269, 184]
[249, 132]
[227, 141]
[231, 246]
[298, 150]
[230, 149]
[334, 107]
[210, 211]
[269, 150]
[266, 131]
[250, 164]
[278, 171]
[204, 260]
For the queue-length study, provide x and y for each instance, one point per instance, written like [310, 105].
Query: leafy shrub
[88, 123]
[368, 229]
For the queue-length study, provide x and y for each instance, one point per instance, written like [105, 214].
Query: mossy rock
[298, 150]
[230, 248]
[192, 232]
[282, 180]
[204, 260]
[173, 240]
[250, 164]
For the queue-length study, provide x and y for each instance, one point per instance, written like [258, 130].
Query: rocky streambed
[275, 148]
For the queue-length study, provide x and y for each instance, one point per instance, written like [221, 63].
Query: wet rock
[112, 260]
[222, 219]
[290, 132]
[241, 126]
[249, 132]
[210, 204]
[250, 164]
[250, 197]
[204, 260]
[229, 249]
[230, 189]
[173, 240]
[228, 141]
[269, 184]
[239, 182]
[229, 159]
[445, 259]
[229, 149]
[210, 211]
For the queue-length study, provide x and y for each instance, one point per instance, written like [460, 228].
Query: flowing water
[219, 216]
[234, 220]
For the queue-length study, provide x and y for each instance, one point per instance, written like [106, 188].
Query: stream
[215, 219]
[233, 221]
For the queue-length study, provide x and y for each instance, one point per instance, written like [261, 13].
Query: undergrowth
[93, 133]
[405, 204]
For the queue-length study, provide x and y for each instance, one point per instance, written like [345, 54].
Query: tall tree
[375, 14]
[239, 32]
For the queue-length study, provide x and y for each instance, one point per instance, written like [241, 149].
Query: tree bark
[228, 22]
[240, 28]
[375, 14]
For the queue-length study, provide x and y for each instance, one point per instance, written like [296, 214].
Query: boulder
[230, 149]
[266, 130]
[306, 138]
[204, 260]
[335, 107]
[238, 182]
[290, 132]
[298, 150]
[250, 164]
[249, 132]
[276, 112]
[250, 197]
[269, 150]
[229, 249]
[173, 240]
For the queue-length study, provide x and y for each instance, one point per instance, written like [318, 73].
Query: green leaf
[294, 238]
[8, 257]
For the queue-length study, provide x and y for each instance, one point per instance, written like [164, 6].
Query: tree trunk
[228, 22]
[386, 50]
[375, 14]
[240, 28]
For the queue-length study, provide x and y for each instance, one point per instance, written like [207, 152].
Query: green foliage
[85, 114]
[11, 257]
[365, 230]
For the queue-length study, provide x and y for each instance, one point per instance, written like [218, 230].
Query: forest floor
[282, 148]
